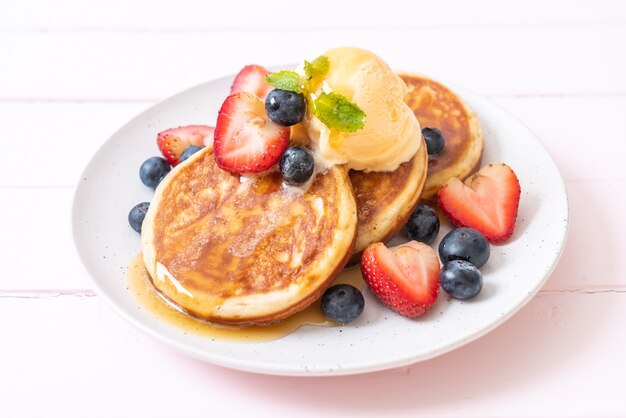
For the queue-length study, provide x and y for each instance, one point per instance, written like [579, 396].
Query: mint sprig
[338, 113]
[286, 80]
[317, 68]
[334, 110]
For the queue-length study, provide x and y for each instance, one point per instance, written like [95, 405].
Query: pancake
[243, 252]
[436, 106]
[385, 200]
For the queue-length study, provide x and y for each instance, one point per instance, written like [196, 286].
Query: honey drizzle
[142, 289]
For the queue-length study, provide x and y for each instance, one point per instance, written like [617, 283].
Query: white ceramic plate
[379, 339]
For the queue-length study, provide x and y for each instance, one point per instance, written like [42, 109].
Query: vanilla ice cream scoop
[391, 134]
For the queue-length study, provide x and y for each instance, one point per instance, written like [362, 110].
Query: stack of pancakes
[243, 251]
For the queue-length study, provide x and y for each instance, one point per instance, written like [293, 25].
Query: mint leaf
[317, 68]
[308, 69]
[285, 80]
[338, 113]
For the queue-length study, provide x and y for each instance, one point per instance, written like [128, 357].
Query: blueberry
[137, 215]
[342, 303]
[461, 279]
[153, 170]
[423, 225]
[464, 244]
[296, 165]
[189, 151]
[434, 140]
[284, 107]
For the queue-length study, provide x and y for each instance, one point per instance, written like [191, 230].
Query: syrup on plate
[141, 287]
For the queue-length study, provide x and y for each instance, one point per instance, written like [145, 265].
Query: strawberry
[251, 79]
[488, 201]
[173, 142]
[246, 140]
[405, 278]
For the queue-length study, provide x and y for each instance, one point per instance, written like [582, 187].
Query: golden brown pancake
[385, 200]
[246, 252]
[436, 106]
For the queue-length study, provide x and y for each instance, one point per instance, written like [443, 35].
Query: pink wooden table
[72, 72]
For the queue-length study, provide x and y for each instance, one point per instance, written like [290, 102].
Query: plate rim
[261, 367]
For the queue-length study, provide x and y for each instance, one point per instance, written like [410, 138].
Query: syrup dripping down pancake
[233, 251]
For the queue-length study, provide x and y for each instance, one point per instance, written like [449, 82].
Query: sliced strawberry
[173, 142]
[251, 79]
[246, 140]
[405, 278]
[488, 201]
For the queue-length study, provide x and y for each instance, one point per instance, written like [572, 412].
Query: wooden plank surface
[141, 65]
[73, 72]
[192, 15]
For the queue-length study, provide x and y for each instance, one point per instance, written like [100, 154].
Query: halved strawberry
[173, 142]
[405, 278]
[246, 140]
[488, 201]
[251, 79]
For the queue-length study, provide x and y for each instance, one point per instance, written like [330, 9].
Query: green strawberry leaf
[286, 80]
[317, 68]
[338, 113]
